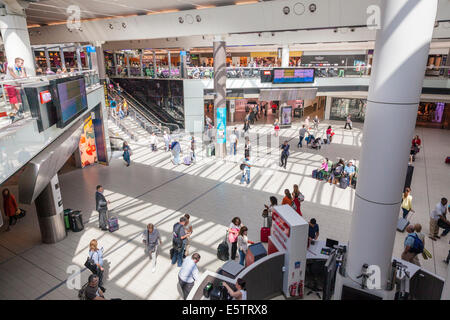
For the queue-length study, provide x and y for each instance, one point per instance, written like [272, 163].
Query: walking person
[101, 205]
[406, 202]
[179, 236]
[329, 134]
[436, 215]
[348, 122]
[126, 153]
[302, 132]
[276, 127]
[167, 139]
[10, 207]
[247, 147]
[176, 149]
[151, 237]
[273, 202]
[153, 142]
[96, 255]
[188, 274]
[233, 233]
[187, 229]
[246, 127]
[13, 72]
[192, 152]
[243, 244]
[307, 123]
[245, 167]
[233, 142]
[284, 154]
[316, 123]
[241, 291]
[413, 246]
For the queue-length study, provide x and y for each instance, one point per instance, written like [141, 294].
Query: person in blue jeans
[243, 244]
[179, 236]
[126, 153]
[246, 171]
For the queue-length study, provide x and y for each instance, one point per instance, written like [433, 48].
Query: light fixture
[259, 34]
[273, 34]
[312, 7]
[286, 10]
[124, 25]
[352, 29]
[180, 20]
[198, 18]
[111, 26]
[335, 30]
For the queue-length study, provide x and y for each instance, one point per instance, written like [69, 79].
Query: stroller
[316, 144]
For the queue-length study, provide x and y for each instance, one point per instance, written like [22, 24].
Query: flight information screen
[293, 75]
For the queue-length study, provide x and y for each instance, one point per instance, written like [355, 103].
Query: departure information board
[293, 75]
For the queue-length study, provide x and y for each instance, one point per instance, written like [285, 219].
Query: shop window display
[341, 107]
[429, 112]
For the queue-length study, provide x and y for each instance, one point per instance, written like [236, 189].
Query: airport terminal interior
[225, 149]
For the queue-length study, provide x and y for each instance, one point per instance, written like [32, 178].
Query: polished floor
[154, 190]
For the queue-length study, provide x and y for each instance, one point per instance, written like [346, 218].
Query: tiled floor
[153, 190]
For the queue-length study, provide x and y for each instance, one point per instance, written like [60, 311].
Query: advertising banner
[88, 150]
[221, 125]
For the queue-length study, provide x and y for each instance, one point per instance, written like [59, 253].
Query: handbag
[90, 264]
[301, 197]
[232, 237]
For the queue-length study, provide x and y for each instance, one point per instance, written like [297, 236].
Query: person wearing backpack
[178, 241]
[413, 246]
[245, 167]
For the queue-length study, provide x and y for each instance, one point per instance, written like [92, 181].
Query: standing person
[233, 143]
[17, 71]
[246, 127]
[276, 126]
[187, 229]
[284, 154]
[179, 236]
[233, 233]
[307, 123]
[96, 255]
[406, 202]
[240, 293]
[329, 134]
[101, 205]
[302, 132]
[151, 237]
[296, 203]
[435, 216]
[273, 203]
[246, 171]
[316, 123]
[188, 274]
[167, 140]
[10, 207]
[287, 197]
[242, 243]
[348, 122]
[126, 153]
[247, 147]
[413, 246]
[153, 142]
[176, 149]
[192, 149]
[313, 231]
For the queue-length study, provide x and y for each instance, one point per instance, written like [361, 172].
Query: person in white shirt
[188, 274]
[240, 293]
[243, 244]
[153, 142]
[437, 214]
[233, 142]
[167, 140]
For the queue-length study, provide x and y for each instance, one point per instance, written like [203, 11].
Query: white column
[285, 56]
[446, 290]
[328, 107]
[17, 41]
[141, 54]
[401, 51]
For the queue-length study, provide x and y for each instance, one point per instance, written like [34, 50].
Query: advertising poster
[221, 125]
[286, 115]
[88, 150]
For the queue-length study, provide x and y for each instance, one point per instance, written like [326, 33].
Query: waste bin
[76, 221]
[66, 218]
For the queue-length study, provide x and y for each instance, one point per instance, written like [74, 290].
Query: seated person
[313, 231]
[323, 170]
[309, 139]
[350, 171]
[336, 171]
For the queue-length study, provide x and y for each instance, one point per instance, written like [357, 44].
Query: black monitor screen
[330, 243]
[349, 293]
[71, 99]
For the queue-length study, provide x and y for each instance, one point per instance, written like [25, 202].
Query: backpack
[173, 145]
[82, 292]
[242, 166]
[418, 244]
[177, 242]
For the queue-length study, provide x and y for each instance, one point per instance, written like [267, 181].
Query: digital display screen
[293, 75]
[286, 115]
[72, 99]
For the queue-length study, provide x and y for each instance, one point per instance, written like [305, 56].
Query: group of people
[344, 173]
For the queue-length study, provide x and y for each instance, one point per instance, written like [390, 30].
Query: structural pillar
[115, 63]
[47, 59]
[170, 64]
[140, 62]
[220, 90]
[400, 57]
[16, 40]
[154, 64]
[285, 56]
[79, 63]
[50, 211]
[127, 56]
[100, 61]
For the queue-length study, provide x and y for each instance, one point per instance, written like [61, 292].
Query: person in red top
[296, 204]
[10, 207]
[416, 141]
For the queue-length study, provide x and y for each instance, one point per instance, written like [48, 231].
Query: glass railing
[13, 101]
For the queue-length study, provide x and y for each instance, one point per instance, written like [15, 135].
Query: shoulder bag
[90, 264]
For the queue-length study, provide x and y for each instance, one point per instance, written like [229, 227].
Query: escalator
[156, 97]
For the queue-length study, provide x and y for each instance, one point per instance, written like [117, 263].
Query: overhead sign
[293, 75]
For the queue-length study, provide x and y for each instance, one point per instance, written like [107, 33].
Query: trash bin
[76, 221]
[66, 218]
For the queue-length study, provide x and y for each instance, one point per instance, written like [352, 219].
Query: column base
[221, 150]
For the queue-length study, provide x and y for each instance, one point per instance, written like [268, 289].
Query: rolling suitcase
[314, 174]
[187, 160]
[409, 175]
[223, 250]
[265, 232]
[402, 223]
[447, 160]
[113, 224]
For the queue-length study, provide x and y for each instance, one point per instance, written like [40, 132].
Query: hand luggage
[325, 141]
[21, 214]
[343, 182]
[265, 232]
[218, 293]
[314, 174]
[223, 251]
[447, 160]
[113, 224]
[402, 223]
[187, 160]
